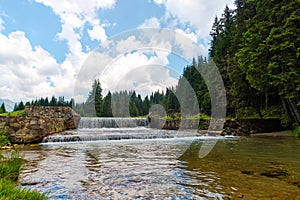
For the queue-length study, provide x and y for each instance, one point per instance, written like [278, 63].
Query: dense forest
[190, 96]
[60, 101]
[256, 48]
[123, 103]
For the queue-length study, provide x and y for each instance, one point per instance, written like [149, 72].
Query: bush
[296, 130]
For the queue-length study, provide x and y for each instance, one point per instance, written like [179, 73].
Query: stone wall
[40, 121]
[235, 127]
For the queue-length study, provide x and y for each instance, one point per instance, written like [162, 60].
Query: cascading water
[99, 129]
[96, 122]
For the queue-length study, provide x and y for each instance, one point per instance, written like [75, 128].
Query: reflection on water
[248, 168]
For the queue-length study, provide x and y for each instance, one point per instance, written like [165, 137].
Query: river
[101, 166]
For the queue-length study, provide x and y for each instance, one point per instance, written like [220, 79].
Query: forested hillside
[257, 49]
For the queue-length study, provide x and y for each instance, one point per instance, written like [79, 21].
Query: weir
[99, 129]
[111, 122]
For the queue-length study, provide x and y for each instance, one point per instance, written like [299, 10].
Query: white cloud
[153, 22]
[28, 72]
[160, 1]
[74, 15]
[128, 44]
[97, 33]
[136, 70]
[187, 33]
[197, 13]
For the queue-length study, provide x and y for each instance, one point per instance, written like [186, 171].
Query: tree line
[256, 48]
[53, 101]
[117, 104]
[190, 93]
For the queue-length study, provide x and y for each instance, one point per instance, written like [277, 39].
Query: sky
[57, 47]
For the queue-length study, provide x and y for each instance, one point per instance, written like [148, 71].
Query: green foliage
[10, 168]
[295, 130]
[4, 140]
[200, 116]
[45, 102]
[168, 118]
[15, 113]
[256, 48]
[94, 103]
[2, 109]
[107, 109]
[9, 191]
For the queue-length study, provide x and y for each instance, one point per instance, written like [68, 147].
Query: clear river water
[135, 162]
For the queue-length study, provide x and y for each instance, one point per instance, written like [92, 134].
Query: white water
[98, 129]
[111, 122]
[99, 167]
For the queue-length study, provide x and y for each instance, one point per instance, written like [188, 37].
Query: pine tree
[2, 108]
[95, 102]
[107, 106]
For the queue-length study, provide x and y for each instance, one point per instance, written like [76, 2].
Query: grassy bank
[10, 168]
[15, 113]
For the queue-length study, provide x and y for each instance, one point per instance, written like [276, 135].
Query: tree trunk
[266, 101]
[288, 113]
[295, 110]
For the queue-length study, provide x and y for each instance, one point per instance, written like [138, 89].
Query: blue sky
[45, 43]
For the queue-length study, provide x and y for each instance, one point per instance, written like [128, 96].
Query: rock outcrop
[40, 121]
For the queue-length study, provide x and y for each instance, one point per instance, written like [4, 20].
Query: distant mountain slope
[9, 105]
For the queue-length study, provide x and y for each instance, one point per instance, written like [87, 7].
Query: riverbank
[275, 134]
[10, 169]
[238, 127]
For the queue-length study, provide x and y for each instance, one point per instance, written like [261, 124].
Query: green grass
[10, 168]
[15, 113]
[9, 191]
[4, 140]
[200, 116]
[296, 130]
[168, 118]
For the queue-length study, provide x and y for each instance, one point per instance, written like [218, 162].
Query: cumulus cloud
[189, 34]
[28, 72]
[153, 22]
[97, 33]
[25, 70]
[197, 13]
[74, 15]
[137, 69]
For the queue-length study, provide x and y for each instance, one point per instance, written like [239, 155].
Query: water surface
[248, 168]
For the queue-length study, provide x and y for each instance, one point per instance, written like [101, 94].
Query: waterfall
[96, 122]
[116, 136]
[99, 129]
